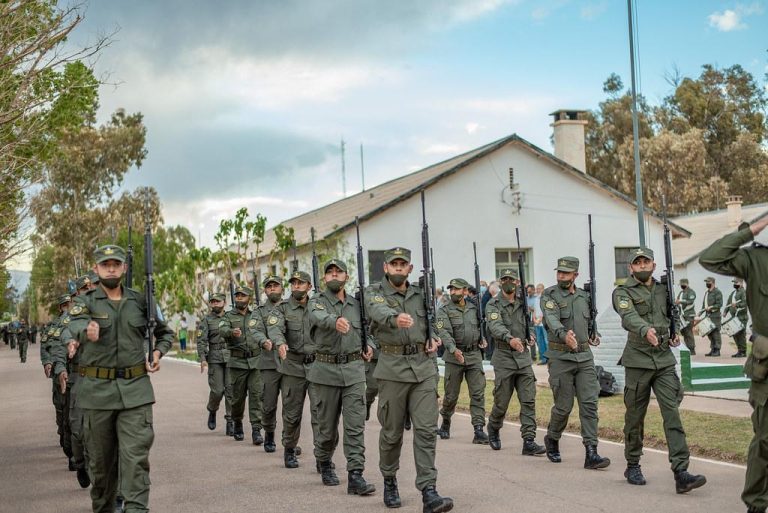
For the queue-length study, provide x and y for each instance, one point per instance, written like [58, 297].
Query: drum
[704, 327]
[732, 326]
[682, 322]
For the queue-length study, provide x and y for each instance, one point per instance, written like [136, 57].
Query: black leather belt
[239, 353]
[300, 357]
[218, 346]
[402, 350]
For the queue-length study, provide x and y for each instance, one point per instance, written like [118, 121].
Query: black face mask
[456, 298]
[217, 309]
[683, 287]
[642, 276]
[710, 285]
[736, 286]
[111, 283]
[397, 279]
[335, 285]
[274, 296]
[241, 305]
[508, 287]
[299, 295]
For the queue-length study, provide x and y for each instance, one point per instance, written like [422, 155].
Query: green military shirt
[458, 327]
[289, 324]
[726, 256]
[324, 310]
[712, 303]
[245, 343]
[56, 344]
[642, 308]
[121, 345]
[506, 320]
[385, 303]
[49, 337]
[738, 296]
[563, 311]
[687, 305]
[268, 359]
[211, 347]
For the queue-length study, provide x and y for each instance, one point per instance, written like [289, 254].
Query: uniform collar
[296, 304]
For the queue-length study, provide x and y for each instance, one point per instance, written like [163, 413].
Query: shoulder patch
[493, 316]
[78, 310]
[378, 299]
[272, 320]
[65, 321]
[57, 333]
[320, 306]
[549, 305]
[252, 323]
[439, 325]
[199, 333]
[623, 304]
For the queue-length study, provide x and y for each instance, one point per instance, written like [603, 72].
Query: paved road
[194, 470]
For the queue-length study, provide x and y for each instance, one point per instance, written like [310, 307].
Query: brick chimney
[569, 137]
[734, 210]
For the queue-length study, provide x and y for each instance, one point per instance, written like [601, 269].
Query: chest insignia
[320, 306]
[252, 323]
[378, 299]
[494, 316]
[549, 305]
[439, 325]
[272, 320]
[77, 310]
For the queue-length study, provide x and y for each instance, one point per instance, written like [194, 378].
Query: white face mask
[762, 237]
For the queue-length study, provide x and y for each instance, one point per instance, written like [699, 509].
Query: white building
[482, 196]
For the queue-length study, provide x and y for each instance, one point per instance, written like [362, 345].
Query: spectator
[538, 322]
[183, 334]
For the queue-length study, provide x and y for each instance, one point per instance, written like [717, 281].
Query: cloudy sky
[246, 101]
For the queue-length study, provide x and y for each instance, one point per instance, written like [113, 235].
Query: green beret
[641, 252]
[458, 283]
[335, 261]
[300, 276]
[109, 252]
[508, 273]
[397, 253]
[567, 264]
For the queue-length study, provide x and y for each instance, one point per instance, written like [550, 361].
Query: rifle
[591, 287]
[149, 289]
[129, 256]
[669, 276]
[256, 294]
[432, 274]
[295, 263]
[315, 265]
[479, 305]
[523, 291]
[77, 268]
[429, 304]
[361, 291]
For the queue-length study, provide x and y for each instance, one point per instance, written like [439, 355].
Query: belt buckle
[120, 373]
[410, 349]
[309, 358]
[342, 358]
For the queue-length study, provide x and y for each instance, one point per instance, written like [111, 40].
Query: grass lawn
[709, 435]
[189, 355]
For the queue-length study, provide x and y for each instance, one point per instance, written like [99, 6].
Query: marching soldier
[571, 364]
[371, 384]
[686, 300]
[213, 354]
[270, 375]
[289, 329]
[458, 328]
[115, 391]
[238, 328]
[650, 365]
[726, 256]
[50, 346]
[338, 377]
[711, 305]
[511, 364]
[407, 377]
[736, 306]
[22, 336]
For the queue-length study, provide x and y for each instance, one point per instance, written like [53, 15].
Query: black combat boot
[391, 493]
[289, 456]
[433, 502]
[356, 484]
[685, 482]
[480, 436]
[230, 427]
[71, 464]
[83, 479]
[445, 429]
[211, 420]
[531, 448]
[256, 436]
[368, 410]
[317, 465]
[119, 504]
[592, 460]
[329, 476]
[237, 432]
[634, 475]
[493, 438]
[553, 449]
[755, 509]
[269, 441]
[407, 422]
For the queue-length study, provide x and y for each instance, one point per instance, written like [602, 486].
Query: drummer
[736, 314]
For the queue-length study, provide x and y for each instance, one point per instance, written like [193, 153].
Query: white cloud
[733, 19]
[593, 10]
[472, 127]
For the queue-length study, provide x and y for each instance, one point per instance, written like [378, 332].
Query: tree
[233, 240]
[284, 241]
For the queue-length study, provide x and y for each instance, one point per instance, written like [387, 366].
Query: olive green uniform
[512, 369]
[571, 372]
[687, 305]
[76, 414]
[212, 348]
[53, 352]
[116, 395]
[407, 378]
[649, 368]
[271, 377]
[711, 304]
[738, 296]
[338, 378]
[244, 352]
[22, 337]
[289, 325]
[458, 328]
[726, 256]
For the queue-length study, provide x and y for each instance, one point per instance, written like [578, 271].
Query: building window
[506, 258]
[621, 256]
[375, 265]
[273, 270]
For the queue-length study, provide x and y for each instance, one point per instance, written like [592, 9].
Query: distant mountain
[20, 280]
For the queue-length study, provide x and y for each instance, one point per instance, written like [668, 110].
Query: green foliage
[284, 241]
